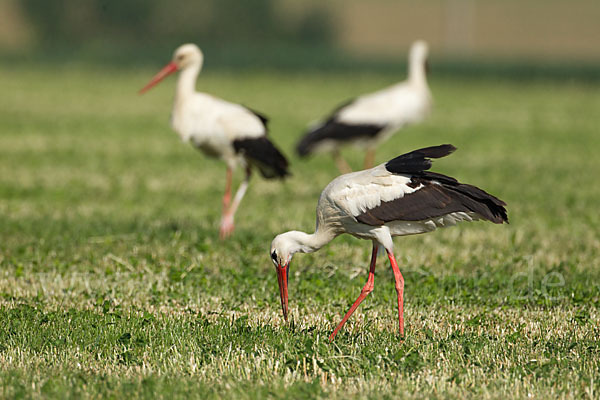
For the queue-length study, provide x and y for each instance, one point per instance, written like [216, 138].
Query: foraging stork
[220, 129]
[400, 197]
[372, 118]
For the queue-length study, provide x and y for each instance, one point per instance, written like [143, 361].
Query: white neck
[416, 71]
[307, 243]
[186, 83]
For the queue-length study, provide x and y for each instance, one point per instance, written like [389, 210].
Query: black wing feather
[426, 203]
[263, 118]
[436, 200]
[334, 130]
[418, 160]
[338, 132]
[262, 153]
[439, 196]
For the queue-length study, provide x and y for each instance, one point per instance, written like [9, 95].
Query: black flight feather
[435, 200]
[263, 118]
[418, 160]
[334, 130]
[337, 132]
[261, 153]
[437, 195]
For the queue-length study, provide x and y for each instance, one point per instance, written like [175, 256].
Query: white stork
[220, 129]
[370, 119]
[397, 198]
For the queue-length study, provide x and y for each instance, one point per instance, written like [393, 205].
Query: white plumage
[350, 195]
[212, 125]
[404, 103]
[358, 192]
[219, 129]
[397, 198]
[372, 118]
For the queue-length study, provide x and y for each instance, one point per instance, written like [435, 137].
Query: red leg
[400, 290]
[227, 225]
[227, 195]
[368, 288]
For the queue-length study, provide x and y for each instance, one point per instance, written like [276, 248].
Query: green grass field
[113, 282]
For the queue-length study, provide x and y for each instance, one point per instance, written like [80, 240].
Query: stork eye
[274, 255]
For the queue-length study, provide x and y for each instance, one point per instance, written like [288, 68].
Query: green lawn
[113, 282]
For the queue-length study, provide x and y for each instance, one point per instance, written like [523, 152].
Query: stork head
[419, 50]
[281, 255]
[283, 248]
[187, 55]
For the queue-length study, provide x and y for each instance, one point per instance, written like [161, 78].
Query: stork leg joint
[368, 288]
[226, 201]
[400, 284]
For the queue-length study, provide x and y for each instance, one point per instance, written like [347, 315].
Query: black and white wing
[246, 132]
[403, 190]
[262, 153]
[335, 131]
[368, 117]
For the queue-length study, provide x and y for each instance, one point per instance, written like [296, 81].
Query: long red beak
[162, 74]
[282, 278]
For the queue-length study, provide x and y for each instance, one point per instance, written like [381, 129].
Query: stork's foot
[227, 226]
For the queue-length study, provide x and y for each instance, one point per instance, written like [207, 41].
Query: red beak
[282, 278]
[162, 74]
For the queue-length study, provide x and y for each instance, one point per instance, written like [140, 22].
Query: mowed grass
[113, 282]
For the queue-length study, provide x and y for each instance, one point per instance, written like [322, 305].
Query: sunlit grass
[113, 281]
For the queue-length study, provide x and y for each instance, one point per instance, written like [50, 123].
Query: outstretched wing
[403, 190]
